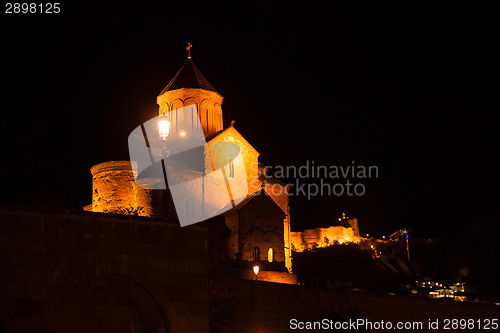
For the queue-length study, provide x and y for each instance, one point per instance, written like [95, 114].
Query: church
[258, 223]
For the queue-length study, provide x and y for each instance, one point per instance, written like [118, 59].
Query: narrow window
[256, 254]
[270, 255]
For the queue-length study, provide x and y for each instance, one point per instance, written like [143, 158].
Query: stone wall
[115, 191]
[322, 237]
[269, 307]
[269, 276]
[248, 163]
[67, 271]
[261, 226]
[279, 192]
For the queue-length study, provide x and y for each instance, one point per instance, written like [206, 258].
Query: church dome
[189, 87]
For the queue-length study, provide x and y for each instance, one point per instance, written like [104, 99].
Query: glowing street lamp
[164, 131]
[164, 128]
[256, 270]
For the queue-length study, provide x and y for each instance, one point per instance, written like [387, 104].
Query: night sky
[410, 88]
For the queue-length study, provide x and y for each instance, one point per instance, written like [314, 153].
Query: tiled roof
[241, 203]
[189, 76]
[210, 136]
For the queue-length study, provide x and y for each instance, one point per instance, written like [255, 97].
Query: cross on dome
[188, 48]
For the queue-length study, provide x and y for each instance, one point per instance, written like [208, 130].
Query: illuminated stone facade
[263, 225]
[114, 190]
[310, 239]
[189, 87]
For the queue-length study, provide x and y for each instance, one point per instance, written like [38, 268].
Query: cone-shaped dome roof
[189, 76]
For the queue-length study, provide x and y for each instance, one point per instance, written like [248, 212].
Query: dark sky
[410, 88]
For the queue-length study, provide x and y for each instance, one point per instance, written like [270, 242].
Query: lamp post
[164, 131]
[256, 270]
[164, 127]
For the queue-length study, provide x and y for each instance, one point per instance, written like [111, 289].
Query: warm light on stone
[115, 191]
[188, 105]
[323, 237]
[270, 255]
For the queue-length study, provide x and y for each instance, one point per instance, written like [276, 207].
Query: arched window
[256, 254]
[270, 255]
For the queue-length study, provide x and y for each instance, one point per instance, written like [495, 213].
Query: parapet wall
[65, 271]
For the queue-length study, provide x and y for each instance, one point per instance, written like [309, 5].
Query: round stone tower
[115, 191]
[189, 87]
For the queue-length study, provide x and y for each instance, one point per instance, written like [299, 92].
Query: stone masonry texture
[73, 271]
